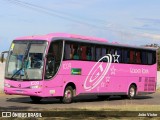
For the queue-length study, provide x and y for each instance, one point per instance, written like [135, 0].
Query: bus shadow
[143, 97]
[14, 108]
[27, 100]
[111, 98]
[78, 99]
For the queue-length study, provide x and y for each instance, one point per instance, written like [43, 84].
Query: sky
[134, 22]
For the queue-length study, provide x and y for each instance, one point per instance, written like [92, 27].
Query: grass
[125, 108]
[109, 112]
[158, 90]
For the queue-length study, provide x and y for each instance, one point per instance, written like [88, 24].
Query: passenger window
[111, 51]
[103, 52]
[89, 53]
[144, 58]
[74, 52]
[83, 53]
[67, 52]
[149, 57]
[118, 52]
[138, 57]
[126, 56]
[98, 53]
[132, 56]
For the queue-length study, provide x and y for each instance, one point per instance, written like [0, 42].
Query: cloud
[148, 24]
[147, 28]
[152, 36]
[149, 20]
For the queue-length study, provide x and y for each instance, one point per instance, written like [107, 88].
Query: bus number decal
[66, 66]
[35, 83]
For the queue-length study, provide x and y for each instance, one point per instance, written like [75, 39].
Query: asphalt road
[16, 102]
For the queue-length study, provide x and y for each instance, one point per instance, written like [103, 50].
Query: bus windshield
[25, 60]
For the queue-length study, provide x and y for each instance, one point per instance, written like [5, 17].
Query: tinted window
[78, 51]
[85, 51]
[98, 53]
[126, 56]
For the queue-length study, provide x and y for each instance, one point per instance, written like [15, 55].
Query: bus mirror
[2, 56]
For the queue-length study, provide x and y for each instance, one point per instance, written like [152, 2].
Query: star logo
[113, 71]
[115, 56]
[102, 84]
[107, 79]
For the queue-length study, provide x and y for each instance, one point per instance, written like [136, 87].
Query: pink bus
[64, 66]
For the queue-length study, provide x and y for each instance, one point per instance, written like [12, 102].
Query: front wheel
[68, 95]
[132, 92]
[35, 99]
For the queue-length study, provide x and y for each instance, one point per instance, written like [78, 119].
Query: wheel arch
[73, 86]
[134, 85]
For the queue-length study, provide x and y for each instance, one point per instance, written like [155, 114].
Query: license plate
[19, 91]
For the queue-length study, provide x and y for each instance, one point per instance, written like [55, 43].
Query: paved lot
[16, 102]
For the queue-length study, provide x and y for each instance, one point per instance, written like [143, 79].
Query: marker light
[7, 85]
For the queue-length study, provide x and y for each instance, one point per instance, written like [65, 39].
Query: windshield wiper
[16, 72]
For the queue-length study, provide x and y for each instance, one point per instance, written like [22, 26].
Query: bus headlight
[7, 85]
[35, 86]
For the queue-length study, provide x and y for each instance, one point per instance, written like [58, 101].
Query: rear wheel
[68, 95]
[35, 99]
[132, 92]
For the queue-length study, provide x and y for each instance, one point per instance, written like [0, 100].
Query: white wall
[158, 79]
[2, 65]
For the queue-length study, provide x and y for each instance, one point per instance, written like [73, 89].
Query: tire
[35, 99]
[68, 95]
[132, 92]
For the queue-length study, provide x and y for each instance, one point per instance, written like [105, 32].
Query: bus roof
[79, 38]
[50, 36]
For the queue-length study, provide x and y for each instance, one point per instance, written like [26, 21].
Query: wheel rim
[132, 92]
[68, 94]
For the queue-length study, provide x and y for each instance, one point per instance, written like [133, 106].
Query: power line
[58, 14]
[48, 11]
[65, 16]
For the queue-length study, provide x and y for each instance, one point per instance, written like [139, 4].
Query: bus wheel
[68, 95]
[132, 92]
[35, 99]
